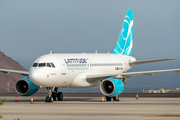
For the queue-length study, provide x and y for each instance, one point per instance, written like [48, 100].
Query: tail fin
[125, 40]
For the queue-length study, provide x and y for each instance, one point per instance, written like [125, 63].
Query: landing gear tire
[108, 98]
[116, 98]
[54, 96]
[60, 96]
[49, 99]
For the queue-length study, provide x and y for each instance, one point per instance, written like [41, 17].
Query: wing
[25, 73]
[99, 77]
[149, 61]
[148, 73]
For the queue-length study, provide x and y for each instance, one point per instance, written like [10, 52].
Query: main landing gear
[53, 96]
[116, 98]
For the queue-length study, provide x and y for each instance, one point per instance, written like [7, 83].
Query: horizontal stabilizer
[150, 61]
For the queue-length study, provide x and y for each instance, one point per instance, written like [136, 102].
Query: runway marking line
[165, 116]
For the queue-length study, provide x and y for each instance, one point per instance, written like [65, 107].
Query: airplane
[84, 70]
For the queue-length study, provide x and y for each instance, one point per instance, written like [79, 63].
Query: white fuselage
[71, 69]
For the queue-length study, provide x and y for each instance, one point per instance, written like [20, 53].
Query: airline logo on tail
[125, 40]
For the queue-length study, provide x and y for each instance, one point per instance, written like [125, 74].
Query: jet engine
[111, 87]
[25, 87]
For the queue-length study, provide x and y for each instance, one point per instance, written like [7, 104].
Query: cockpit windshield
[42, 65]
[48, 65]
[35, 64]
[51, 65]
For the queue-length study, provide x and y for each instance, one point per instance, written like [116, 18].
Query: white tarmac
[88, 108]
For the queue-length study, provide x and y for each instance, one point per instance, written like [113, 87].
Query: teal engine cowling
[25, 87]
[112, 87]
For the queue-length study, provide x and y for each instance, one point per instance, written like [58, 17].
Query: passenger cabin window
[42, 65]
[35, 64]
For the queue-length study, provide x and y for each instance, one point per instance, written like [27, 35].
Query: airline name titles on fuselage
[76, 60]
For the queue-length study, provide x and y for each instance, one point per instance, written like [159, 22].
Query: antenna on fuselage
[50, 52]
[96, 52]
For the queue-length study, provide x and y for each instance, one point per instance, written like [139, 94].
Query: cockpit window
[52, 65]
[48, 65]
[35, 64]
[42, 65]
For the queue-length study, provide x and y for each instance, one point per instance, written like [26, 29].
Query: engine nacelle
[112, 87]
[25, 87]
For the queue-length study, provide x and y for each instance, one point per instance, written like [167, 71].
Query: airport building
[162, 91]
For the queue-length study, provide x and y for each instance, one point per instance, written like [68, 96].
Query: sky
[29, 29]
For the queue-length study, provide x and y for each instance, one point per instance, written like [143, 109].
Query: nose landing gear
[49, 98]
[53, 96]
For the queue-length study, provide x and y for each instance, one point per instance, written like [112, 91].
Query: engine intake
[22, 86]
[25, 87]
[112, 87]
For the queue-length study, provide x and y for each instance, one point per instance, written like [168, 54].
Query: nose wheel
[53, 96]
[49, 99]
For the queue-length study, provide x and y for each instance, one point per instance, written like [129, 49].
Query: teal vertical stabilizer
[125, 41]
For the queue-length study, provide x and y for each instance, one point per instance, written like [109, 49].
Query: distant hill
[11, 78]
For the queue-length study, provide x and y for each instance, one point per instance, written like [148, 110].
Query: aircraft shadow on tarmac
[64, 100]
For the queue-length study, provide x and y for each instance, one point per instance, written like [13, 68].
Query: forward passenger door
[63, 66]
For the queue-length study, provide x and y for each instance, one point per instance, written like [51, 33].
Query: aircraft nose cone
[35, 77]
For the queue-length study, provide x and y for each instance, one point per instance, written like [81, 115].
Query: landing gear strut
[49, 98]
[53, 96]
